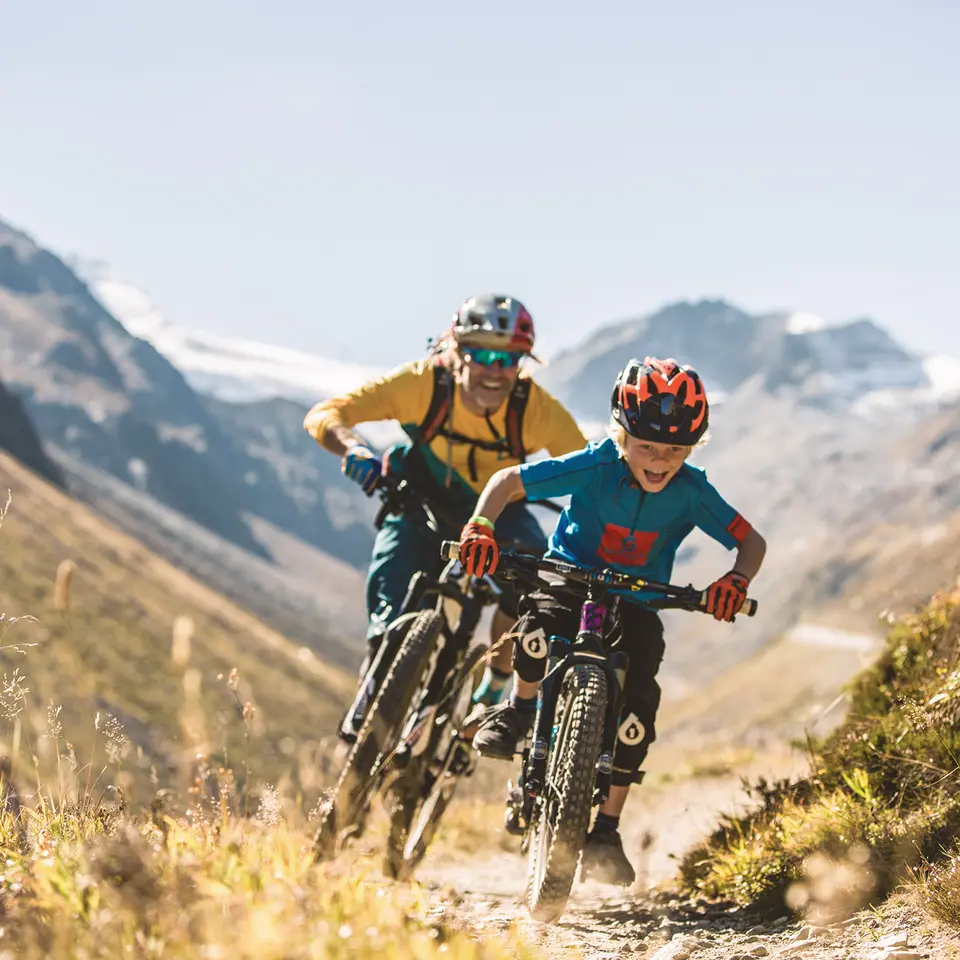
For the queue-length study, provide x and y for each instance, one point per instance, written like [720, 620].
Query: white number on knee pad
[631, 731]
[535, 644]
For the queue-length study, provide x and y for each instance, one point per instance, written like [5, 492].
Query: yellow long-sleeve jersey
[404, 395]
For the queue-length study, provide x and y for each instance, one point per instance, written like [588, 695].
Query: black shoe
[604, 860]
[501, 731]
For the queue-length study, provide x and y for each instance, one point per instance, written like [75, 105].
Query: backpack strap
[441, 403]
[516, 406]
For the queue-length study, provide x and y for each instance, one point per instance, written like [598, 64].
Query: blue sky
[337, 177]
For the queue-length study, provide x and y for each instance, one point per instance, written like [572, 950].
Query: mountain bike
[414, 702]
[567, 762]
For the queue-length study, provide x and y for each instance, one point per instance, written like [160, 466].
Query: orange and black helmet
[660, 401]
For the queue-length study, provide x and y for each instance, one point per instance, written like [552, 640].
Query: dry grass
[85, 879]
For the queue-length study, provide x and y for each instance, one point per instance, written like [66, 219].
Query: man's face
[654, 465]
[486, 385]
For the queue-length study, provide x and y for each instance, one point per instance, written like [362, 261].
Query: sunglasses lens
[487, 358]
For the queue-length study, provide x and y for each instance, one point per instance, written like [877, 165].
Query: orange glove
[479, 552]
[725, 596]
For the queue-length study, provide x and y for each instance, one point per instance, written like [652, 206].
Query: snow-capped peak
[943, 372]
[224, 367]
[802, 322]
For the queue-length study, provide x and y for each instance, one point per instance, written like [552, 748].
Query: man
[468, 410]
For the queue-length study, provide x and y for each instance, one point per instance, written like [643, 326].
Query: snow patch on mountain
[802, 322]
[943, 372]
[230, 369]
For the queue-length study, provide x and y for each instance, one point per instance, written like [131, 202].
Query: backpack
[438, 413]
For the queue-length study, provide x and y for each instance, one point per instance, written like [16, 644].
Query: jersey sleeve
[402, 395]
[716, 518]
[560, 476]
[548, 425]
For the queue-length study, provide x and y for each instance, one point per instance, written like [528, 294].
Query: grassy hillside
[882, 800]
[131, 636]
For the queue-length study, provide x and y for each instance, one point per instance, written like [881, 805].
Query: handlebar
[683, 598]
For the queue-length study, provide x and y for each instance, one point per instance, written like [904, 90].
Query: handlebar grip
[748, 609]
[450, 549]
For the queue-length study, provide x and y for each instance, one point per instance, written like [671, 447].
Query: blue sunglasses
[487, 358]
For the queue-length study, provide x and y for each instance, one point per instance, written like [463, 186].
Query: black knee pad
[531, 648]
[634, 736]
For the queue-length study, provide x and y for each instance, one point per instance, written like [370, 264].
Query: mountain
[816, 437]
[835, 365]
[107, 399]
[813, 437]
[103, 642]
[18, 437]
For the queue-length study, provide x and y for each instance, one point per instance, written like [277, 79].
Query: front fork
[562, 656]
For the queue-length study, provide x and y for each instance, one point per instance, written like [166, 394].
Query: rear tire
[562, 814]
[351, 796]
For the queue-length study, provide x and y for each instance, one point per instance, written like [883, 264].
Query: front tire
[562, 815]
[345, 813]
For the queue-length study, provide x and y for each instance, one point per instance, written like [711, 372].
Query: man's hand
[725, 596]
[479, 552]
[363, 467]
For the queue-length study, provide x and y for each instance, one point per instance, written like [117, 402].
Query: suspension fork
[562, 656]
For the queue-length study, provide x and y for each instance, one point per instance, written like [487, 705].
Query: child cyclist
[633, 499]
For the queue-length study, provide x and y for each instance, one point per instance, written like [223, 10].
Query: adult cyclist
[468, 410]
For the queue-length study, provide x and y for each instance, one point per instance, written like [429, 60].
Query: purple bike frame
[592, 617]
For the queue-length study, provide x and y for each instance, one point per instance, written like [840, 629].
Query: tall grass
[83, 875]
[882, 797]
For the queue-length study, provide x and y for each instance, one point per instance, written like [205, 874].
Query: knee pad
[531, 648]
[633, 741]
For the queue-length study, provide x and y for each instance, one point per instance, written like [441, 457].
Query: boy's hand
[362, 466]
[725, 596]
[479, 552]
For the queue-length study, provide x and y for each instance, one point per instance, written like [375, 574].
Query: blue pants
[405, 544]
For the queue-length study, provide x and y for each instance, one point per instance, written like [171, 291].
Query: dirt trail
[485, 892]
[675, 807]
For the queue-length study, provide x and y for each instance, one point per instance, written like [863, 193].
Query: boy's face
[653, 465]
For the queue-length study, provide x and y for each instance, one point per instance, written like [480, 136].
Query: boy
[633, 501]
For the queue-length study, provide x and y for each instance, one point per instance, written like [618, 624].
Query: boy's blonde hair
[618, 434]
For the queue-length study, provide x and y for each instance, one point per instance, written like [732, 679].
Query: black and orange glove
[479, 552]
[725, 596]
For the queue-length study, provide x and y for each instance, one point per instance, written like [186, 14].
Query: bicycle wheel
[420, 797]
[345, 813]
[563, 812]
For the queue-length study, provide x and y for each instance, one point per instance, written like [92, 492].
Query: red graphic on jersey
[627, 548]
[739, 528]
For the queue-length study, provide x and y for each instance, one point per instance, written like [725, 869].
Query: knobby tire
[379, 733]
[416, 808]
[563, 814]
